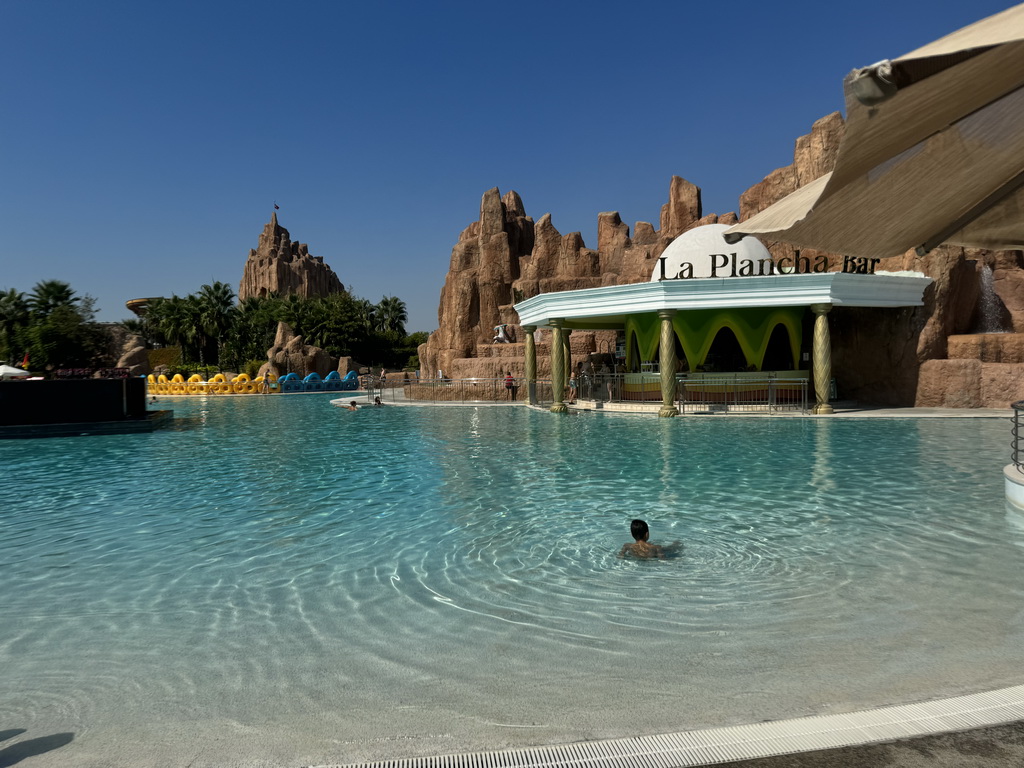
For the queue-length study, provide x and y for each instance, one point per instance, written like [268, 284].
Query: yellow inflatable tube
[218, 385]
[241, 385]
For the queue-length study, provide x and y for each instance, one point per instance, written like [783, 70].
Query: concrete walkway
[996, 747]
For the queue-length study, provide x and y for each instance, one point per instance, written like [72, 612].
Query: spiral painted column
[822, 358]
[567, 370]
[557, 368]
[531, 365]
[667, 364]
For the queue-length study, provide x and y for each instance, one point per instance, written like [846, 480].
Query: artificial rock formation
[923, 356]
[918, 362]
[505, 257]
[134, 356]
[279, 265]
[910, 355]
[290, 355]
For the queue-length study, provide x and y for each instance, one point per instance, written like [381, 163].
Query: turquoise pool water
[277, 580]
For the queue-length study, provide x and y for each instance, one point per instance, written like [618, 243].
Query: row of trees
[55, 327]
[212, 330]
[51, 327]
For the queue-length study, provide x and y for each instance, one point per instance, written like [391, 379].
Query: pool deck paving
[994, 747]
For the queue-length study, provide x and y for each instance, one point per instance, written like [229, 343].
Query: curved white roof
[609, 306]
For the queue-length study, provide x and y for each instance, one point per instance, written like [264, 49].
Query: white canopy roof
[609, 306]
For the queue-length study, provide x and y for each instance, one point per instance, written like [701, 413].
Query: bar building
[715, 306]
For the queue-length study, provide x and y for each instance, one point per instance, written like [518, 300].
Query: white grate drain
[744, 742]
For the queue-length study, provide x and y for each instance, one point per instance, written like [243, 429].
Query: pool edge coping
[771, 738]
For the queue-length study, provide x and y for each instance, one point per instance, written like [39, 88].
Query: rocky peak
[504, 257]
[279, 265]
[682, 209]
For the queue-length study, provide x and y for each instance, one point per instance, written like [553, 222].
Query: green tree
[174, 321]
[367, 314]
[301, 314]
[342, 329]
[14, 317]
[391, 315]
[215, 313]
[48, 295]
[208, 323]
[253, 330]
[67, 337]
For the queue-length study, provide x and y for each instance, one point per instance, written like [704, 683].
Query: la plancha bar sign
[729, 265]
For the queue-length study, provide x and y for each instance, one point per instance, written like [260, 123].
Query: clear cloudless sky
[143, 144]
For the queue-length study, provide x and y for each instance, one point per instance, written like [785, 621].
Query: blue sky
[143, 144]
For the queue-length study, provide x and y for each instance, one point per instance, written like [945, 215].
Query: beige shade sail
[933, 153]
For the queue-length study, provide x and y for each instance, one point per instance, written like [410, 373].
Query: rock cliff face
[134, 356]
[911, 356]
[505, 257]
[278, 264]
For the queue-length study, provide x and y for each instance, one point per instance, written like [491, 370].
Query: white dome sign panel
[702, 252]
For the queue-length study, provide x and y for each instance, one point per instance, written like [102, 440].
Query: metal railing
[91, 373]
[694, 393]
[701, 392]
[1018, 459]
[473, 390]
[731, 393]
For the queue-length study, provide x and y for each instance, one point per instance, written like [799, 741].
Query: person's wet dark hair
[639, 529]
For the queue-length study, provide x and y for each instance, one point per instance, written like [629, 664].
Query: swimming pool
[277, 580]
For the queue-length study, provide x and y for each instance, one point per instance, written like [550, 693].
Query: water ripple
[457, 560]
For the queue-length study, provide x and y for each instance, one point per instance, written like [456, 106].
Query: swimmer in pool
[640, 547]
[350, 406]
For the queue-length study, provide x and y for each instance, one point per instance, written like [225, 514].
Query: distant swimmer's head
[639, 530]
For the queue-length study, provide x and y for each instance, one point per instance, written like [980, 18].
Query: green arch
[647, 330]
[696, 330]
[791, 321]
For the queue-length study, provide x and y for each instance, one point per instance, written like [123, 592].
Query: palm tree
[215, 305]
[175, 320]
[367, 313]
[13, 318]
[392, 315]
[252, 332]
[47, 295]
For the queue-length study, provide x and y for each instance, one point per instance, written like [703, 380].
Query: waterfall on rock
[990, 307]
